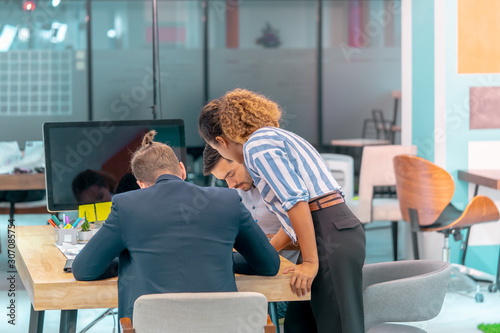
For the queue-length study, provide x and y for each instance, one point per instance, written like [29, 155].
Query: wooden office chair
[425, 191]
[200, 313]
[377, 170]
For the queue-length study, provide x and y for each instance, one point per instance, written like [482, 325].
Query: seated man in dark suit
[173, 236]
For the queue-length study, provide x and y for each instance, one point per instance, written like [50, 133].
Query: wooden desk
[40, 267]
[22, 181]
[488, 178]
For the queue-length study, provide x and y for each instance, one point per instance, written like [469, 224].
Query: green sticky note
[103, 209]
[89, 209]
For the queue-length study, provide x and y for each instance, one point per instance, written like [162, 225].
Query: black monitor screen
[79, 153]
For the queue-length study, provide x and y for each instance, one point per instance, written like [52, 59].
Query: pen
[67, 219]
[81, 220]
[56, 220]
[52, 223]
[76, 222]
[68, 226]
[64, 219]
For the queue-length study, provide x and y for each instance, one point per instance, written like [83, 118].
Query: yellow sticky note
[89, 209]
[103, 209]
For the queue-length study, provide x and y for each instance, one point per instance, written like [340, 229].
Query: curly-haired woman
[298, 187]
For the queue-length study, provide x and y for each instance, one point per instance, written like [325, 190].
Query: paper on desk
[69, 250]
[34, 156]
[10, 155]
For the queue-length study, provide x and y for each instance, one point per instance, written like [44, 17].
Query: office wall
[441, 117]
[460, 138]
[423, 77]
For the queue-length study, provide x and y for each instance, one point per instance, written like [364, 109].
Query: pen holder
[65, 236]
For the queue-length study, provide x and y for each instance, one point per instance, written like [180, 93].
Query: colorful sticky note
[102, 209]
[89, 209]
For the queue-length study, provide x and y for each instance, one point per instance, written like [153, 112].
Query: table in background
[40, 266]
[489, 178]
[22, 182]
[360, 143]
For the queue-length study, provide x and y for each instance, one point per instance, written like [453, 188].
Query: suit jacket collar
[167, 177]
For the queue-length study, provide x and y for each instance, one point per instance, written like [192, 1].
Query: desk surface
[40, 266]
[22, 181]
[489, 178]
[359, 142]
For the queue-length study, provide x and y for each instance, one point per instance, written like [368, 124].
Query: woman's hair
[243, 112]
[153, 159]
[208, 122]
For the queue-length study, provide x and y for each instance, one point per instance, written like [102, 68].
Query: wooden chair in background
[425, 191]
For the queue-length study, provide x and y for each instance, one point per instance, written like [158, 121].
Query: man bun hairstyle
[153, 159]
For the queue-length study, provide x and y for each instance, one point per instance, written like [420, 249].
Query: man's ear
[221, 141]
[183, 171]
[142, 184]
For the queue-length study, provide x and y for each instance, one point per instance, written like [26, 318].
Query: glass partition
[269, 47]
[180, 35]
[361, 64]
[42, 67]
[122, 57]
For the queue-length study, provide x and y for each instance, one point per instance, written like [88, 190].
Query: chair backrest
[342, 169]
[377, 169]
[381, 125]
[200, 312]
[410, 290]
[423, 186]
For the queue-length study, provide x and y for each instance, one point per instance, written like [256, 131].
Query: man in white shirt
[237, 177]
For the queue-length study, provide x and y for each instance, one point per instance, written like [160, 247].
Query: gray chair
[403, 291]
[200, 313]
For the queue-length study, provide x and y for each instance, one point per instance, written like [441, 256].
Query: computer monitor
[105, 148]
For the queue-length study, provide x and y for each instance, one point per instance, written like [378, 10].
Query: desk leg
[36, 321]
[476, 189]
[273, 313]
[68, 321]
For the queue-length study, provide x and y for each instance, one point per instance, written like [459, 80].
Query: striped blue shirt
[286, 169]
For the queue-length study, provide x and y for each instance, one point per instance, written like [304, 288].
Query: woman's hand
[302, 278]
[303, 274]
